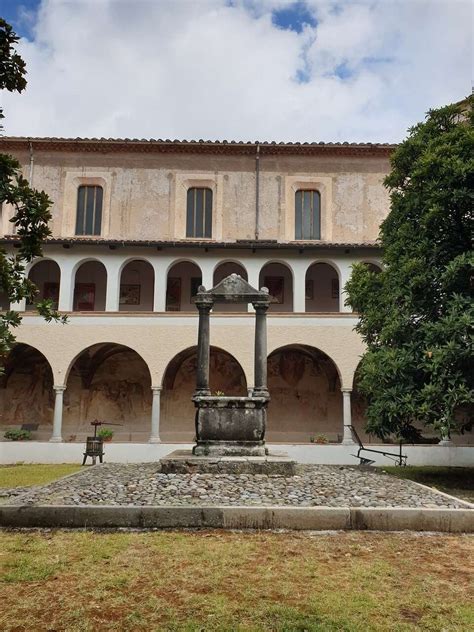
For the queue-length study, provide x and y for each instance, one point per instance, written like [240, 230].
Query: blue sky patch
[20, 14]
[294, 17]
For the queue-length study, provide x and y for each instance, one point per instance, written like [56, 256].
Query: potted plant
[105, 434]
[18, 435]
[321, 439]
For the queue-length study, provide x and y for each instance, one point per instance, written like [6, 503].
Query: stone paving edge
[240, 517]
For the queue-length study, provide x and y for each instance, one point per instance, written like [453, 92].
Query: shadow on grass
[457, 481]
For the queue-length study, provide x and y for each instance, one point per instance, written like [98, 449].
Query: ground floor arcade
[60, 378]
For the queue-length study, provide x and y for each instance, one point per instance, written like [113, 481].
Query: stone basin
[233, 426]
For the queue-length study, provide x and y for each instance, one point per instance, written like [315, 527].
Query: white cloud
[214, 69]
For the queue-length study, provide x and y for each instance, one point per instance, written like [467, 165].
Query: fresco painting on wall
[173, 295]
[129, 294]
[276, 288]
[85, 296]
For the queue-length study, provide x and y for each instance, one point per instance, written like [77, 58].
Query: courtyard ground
[457, 481]
[243, 581]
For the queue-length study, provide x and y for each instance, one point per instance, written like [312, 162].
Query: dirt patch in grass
[23, 475]
[456, 481]
[220, 580]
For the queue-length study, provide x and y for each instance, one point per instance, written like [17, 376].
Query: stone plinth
[185, 462]
[230, 426]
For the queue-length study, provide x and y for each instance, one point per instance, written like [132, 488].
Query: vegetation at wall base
[17, 435]
[31, 208]
[417, 315]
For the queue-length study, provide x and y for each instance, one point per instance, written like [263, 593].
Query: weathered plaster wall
[144, 194]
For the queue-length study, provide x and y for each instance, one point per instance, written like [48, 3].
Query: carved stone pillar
[155, 415]
[203, 349]
[260, 359]
[58, 414]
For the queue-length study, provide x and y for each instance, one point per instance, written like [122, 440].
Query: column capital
[261, 306]
[346, 390]
[59, 388]
[156, 389]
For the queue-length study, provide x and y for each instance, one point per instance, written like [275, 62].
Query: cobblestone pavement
[143, 484]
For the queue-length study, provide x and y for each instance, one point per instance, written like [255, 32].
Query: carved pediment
[234, 289]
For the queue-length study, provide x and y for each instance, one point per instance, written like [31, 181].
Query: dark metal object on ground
[94, 449]
[95, 444]
[399, 458]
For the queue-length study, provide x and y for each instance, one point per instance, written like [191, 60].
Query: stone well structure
[231, 426]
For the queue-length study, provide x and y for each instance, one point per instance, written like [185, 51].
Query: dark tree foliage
[417, 315]
[31, 208]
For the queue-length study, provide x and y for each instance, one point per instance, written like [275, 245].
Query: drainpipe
[32, 161]
[257, 192]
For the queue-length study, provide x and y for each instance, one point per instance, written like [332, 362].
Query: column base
[446, 442]
[347, 437]
[154, 440]
[56, 440]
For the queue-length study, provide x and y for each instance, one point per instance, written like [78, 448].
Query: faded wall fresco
[306, 398]
[108, 384]
[177, 409]
[26, 392]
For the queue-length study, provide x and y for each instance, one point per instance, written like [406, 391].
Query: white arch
[225, 261]
[282, 262]
[128, 260]
[328, 262]
[182, 260]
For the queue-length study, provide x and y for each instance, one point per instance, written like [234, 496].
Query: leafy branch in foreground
[31, 209]
[417, 315]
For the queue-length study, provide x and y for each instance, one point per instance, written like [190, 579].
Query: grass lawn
[35, 474]
[216, 580]
[457, 481]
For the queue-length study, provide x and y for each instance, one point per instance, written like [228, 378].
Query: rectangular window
[89, 210]
[307, 215]
[199, 213]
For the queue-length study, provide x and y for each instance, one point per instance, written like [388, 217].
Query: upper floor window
[199, 213]
[307, 215]
[89, 210]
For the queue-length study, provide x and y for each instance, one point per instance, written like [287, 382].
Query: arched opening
[221, 272]
[137, 287]
[26, 392]
[179, 384]
[183, 281]
[278, 279]
[46, 275]
[321, 288]
[372, 267]
[109, 382]
[306, 398]
[90, 287]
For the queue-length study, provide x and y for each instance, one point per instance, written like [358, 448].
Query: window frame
[199, 212]
[304, 225]
[85, 207]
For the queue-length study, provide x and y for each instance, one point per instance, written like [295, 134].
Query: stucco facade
[127, 355]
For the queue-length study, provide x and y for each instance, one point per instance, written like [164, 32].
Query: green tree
[416, 316]
[31, 208]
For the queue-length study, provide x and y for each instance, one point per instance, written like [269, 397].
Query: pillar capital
[346, 390]
[156, 389]
[59, 388]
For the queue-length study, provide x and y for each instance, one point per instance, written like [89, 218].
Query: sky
[308, 71]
